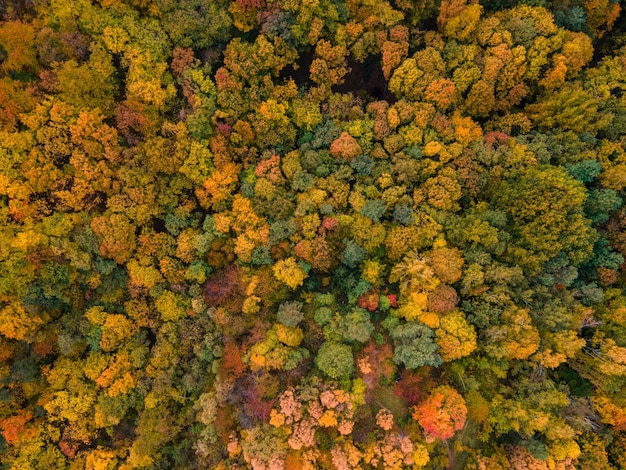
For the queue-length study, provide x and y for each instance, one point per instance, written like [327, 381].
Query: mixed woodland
[312, 234]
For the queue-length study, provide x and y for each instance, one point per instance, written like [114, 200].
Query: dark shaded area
[299, 71]
[610, 43]
[151, 337]
[579, 386]
[97, 201]
[158, 225]
[366, 80]
[18, 9]
[214, 56]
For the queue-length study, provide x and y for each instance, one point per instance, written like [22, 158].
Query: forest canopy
[322, 234]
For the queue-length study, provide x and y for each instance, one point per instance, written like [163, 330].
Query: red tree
[442, 413]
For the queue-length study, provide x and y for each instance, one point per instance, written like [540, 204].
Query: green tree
[356, 326]
[414, 345]
[335, 360]
[552, 223]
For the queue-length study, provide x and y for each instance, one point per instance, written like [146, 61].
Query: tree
[552, 224]
[89, 85]
[117, 236]
[345, 147]
[447, 264]
[457, 19]
[455, 336]
[220, 184]
[290, 313]
[515, 337]
[17, 323]
[356, 326]
[443, 299]
[335, 360]
[413, 274]
[601, 16]
[352, 254]
[204, 24]
[600, 203]
[14, 100]
[564, 108]
[329, 67]
[394, 52]
[414, 346]
[289, 272]
[442, 413]
[17, 41]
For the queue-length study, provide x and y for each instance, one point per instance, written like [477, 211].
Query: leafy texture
[326, 234]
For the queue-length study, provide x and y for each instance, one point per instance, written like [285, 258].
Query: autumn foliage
[442, 414]
[329, 234]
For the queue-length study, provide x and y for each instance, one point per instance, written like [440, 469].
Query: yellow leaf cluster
[455, 336]
[289, 336]
[289, 272]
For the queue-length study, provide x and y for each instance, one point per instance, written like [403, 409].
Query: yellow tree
[455, 336]
[289, 272]
[515, 338]
[116, 235]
